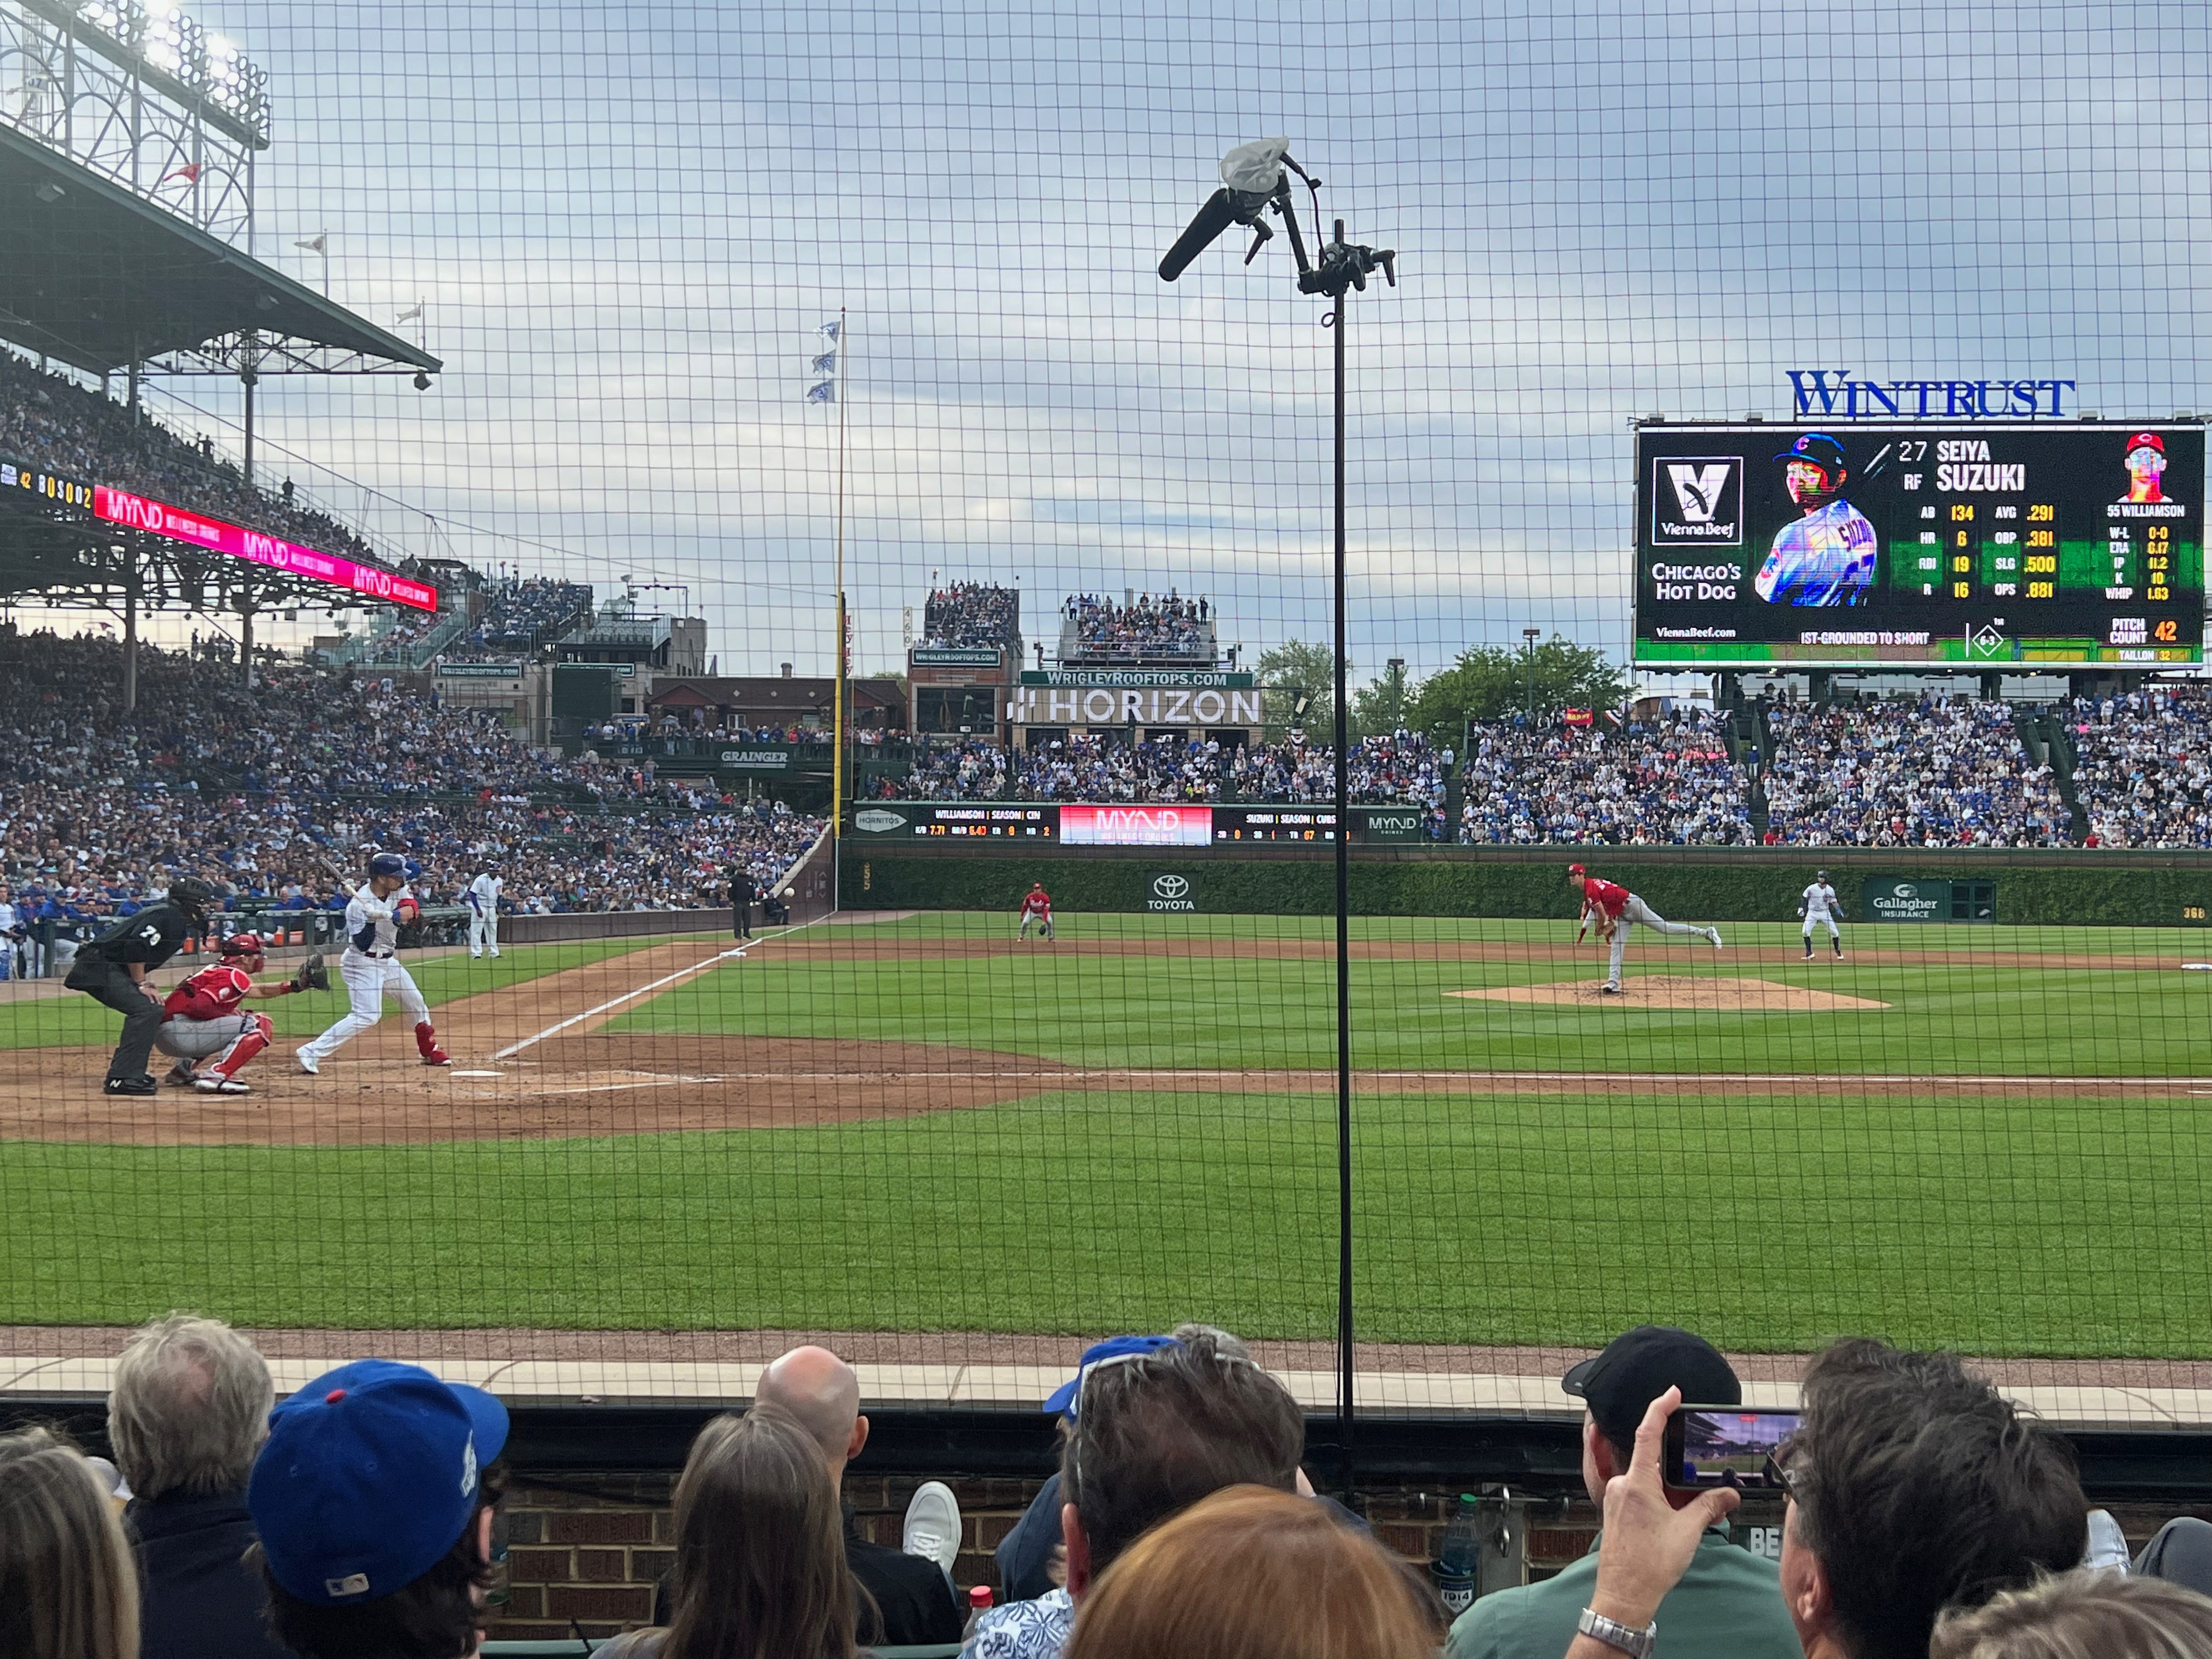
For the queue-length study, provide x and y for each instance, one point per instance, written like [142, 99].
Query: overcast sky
[628, 221]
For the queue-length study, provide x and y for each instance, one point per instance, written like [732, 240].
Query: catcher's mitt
[311, 975]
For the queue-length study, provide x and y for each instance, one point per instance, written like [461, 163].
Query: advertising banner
[178, 524]
[1036, 705]
[1137, 826]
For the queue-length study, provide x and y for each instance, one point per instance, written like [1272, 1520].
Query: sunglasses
[1083, 1381]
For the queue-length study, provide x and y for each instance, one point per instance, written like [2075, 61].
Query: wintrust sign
[219, 536]
[1834, 394]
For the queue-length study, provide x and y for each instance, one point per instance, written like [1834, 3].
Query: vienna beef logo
[1834, 394]
[1696, 500]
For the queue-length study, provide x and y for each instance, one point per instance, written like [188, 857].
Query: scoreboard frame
[1719, 529]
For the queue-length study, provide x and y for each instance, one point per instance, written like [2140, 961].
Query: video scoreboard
[1164, 824]
[1982, 545]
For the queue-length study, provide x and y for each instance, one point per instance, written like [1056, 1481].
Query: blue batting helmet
[387, 864]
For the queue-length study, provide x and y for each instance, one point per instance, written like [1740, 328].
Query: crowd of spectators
[1925, 1516]
[51, 421]
[2143, 765]
[1668, 782]
[971, 616]
[1922, 772]
[520, 614]
[273, 792]
[1165, 627]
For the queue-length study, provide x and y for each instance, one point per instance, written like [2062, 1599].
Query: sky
[626, 223]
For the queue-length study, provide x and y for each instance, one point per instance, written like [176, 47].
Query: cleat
[181, 1076]
[1714, 934]
[437, 1057]
[1609, 990]
[222, 1086]
[307, 1063]
[474, 955]
[494, 955]
[141, 1085]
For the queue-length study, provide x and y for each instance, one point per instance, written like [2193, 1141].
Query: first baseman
[483, 912]
[1818, 905]
[374, 916]
[1037, 906]
[202, 1017]
[1614, 909]
[1827, 557]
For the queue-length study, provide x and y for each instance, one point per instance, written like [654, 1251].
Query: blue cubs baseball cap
[1818, 449]
[1062, 1403]
[368, 1478]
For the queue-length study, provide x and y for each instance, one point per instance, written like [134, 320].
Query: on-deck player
[1819, 904]
[1037, 906]
[483, 912]
[374, 916]
[202, 1017]
[1615, 909]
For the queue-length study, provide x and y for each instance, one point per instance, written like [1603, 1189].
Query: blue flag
[833, 328]
[824, 393]
[825, 364]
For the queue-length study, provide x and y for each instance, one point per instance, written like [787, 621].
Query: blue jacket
[200, 1599]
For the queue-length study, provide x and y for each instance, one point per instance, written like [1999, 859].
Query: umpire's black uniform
[742, 895]
[151, 937]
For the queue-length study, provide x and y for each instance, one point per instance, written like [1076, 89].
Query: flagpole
[837, 761]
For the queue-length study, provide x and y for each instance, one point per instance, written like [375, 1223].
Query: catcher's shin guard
[426, 1043]
[233, 1059]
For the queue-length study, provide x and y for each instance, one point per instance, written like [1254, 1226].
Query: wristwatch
[1636, 1644]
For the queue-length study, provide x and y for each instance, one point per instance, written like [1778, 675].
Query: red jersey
[1603, 899]
[1038, 903]
[208, 995]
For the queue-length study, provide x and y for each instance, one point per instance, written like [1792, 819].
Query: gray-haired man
[188, 1411]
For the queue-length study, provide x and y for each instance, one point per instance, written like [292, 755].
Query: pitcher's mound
[1719, 996]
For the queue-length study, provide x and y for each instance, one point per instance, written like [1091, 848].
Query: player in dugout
[1614, 909]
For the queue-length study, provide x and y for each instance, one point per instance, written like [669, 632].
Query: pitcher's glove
[311, 975]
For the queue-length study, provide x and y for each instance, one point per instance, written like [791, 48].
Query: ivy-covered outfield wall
[2102, 889]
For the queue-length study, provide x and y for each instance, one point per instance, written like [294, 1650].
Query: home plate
[474, 1074]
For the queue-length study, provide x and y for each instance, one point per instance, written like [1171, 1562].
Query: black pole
[1344, 1328]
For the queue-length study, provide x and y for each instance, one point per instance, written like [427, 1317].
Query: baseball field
[1982, 1137]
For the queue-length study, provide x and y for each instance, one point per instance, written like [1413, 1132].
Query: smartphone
[1724, 1446]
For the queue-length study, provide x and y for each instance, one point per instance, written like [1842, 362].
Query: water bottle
[1455, 1564]
[979, 1603]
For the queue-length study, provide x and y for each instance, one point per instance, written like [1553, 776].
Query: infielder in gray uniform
[1819, 905]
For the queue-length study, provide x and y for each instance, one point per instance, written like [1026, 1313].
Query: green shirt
[1728, 1602]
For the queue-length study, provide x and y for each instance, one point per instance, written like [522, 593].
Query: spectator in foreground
[67, 1588]
[1152, 1432]
[2078, 1613]
[1250, 1573]
[910, 1588]
[188, 1411]
[1914, 1485]
[373, 1499]
[760, 1550]
[1728, 1601]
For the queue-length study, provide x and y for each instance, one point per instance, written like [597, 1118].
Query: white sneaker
[307, 1063]
[1714, 934]
[932, 1524]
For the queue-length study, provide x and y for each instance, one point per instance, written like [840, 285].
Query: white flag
[833, 328]
[825, 364]
[322, 241]
[824, 393]
[410, 316]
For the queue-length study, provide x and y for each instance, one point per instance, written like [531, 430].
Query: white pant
[1820, 918]
[366, 980]
[1636, 911]
[484, 930]
[1042, 923]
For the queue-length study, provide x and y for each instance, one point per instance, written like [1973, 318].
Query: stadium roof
[94, 275]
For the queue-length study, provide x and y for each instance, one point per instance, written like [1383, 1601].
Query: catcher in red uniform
[205, 1015]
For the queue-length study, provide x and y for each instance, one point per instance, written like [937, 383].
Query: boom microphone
[1216, 216]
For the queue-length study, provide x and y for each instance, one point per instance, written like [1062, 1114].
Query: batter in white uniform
[1819, 906]
[371, 965]
[483, 914]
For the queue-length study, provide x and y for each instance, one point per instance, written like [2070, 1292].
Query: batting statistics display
[1985, 545]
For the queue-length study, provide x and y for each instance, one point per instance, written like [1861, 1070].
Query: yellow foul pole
[837, 761]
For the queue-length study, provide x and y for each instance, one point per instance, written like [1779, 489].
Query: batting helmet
[244, 944]
[191, 895]
[387, 864]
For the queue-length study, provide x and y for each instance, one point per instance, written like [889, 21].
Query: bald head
[821, 1393]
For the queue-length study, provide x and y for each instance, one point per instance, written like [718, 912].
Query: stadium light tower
[1255, 182]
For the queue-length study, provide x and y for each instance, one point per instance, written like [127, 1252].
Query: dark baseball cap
[1638, 1366]
[1818, 449]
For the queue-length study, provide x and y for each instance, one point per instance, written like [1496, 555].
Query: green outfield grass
[1767, 1221]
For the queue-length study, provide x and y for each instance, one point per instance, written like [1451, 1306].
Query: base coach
[113, 969]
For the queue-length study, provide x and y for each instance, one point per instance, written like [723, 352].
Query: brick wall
[594, 1555]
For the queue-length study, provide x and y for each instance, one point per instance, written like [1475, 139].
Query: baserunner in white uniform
[1819, 906]
[483, 914]
[371, 965]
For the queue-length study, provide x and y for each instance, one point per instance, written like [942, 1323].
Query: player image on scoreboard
[1828, 555]
[2022, 545]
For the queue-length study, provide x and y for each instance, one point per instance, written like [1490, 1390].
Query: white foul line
[738, 953]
